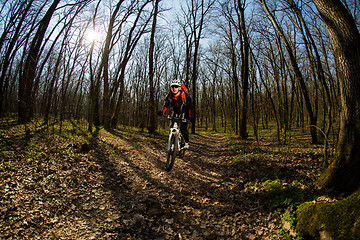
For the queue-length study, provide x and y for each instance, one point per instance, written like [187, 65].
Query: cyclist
[180, 102]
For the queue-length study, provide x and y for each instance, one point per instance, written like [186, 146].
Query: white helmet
[175, 83]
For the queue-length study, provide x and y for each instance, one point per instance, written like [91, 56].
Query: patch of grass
[239, 159]
[257, 158]
[289, 196]
[278, 195]
[9, 167]
[273, 185]
[289, 223]
[4, 155]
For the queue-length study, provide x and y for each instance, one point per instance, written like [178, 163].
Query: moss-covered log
[340, 220]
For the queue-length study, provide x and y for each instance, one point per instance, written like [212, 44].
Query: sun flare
[92, 35]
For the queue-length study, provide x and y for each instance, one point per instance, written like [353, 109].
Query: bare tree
[185, 25]
[135, 33]
[235, 77]
[194, 22]
[245, 48]
[316, 65]
[54, 78]
[94, 90]
[20, 12]
[152, 126]
[26, 103]
[297, 72]
[105, 63]
[197, 33]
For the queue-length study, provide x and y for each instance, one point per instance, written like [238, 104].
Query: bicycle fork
[171, 136]
[175, 133]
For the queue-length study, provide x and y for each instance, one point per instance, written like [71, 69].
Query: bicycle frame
[174, 147]
[175, 131]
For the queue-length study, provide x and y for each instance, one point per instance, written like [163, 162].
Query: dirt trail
[197, 199]
[116, 188]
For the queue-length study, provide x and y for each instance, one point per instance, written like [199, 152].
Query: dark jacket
[181, 104]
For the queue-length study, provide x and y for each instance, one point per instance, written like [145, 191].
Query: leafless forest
[265, 77]
[246, 63]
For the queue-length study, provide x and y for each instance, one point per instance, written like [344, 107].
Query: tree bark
[105, 60]
[25, 99]
[343, 173]
[94, 86]
[319, 67]
[130, 46]
[244, 70]
[297, 73]
[235, 79]
[4, 82]
[152, 126]
[197, 36]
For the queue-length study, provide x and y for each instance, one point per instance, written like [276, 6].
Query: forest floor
[112, 185]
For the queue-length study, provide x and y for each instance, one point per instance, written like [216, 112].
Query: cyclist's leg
[185, 132]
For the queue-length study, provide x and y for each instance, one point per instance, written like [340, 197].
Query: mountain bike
[176, 142]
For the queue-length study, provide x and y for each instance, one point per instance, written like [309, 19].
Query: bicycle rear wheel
[171, 155]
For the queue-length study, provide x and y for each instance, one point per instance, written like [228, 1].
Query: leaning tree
[343, 173]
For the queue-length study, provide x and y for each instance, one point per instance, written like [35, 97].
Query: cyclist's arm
[190, 109]
[166, 105]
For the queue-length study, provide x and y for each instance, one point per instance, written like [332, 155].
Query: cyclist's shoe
[186, 146]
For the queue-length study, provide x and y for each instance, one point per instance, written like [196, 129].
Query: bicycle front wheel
[170, 160]
[182, 150]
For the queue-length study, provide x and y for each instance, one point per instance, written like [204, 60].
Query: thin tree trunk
[244, 71]
[235, 79]
[92, 97]
[152, 126]
[298, 75]
[319, 70]
[52, 83]
[7, 59]
[105, 60]
[213, 98]
[130, 46]
[187, 58]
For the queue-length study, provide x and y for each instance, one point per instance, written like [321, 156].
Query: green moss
[325, 177]
[340, 219]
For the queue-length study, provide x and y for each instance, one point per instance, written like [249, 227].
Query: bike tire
[171, 155]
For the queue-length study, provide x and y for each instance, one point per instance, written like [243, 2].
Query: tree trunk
[93, 96]
[188, 40]
[215, 77]
[297, 73]
[4, 82]
[132, 41]
[343, 173]
[319, 70]
[244, 71]
[26, 102]
[54, 78]
[152, 126]
[105, 60]
[235, 79]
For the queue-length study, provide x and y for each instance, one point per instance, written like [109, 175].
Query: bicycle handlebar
[177, 118]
